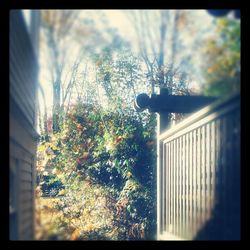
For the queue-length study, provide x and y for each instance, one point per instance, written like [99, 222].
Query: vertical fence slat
[181, 186]
[224, 170]
[213, 163]
[236, 205]
[199, 178]
[191, 183]
[177, 186]
[218, 157]
[208, 170]
[166, 190]
[195, 181]
[203, 175]
[186, 187]
[229, 153]
[169, 181]
[161, 189]
[164, 187]
[171, 186]
[174, 188]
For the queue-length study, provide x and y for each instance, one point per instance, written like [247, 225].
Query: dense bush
[113, 152]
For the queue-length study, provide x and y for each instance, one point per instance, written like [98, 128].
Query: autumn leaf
[118, 139]
[129, 174]
[75, 235]
[90, 227]
[85, 155]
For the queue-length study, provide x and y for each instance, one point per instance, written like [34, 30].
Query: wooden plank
[180, 186]
[194, 181]
[218, 162]
[179, 104]
[18, 152]
[212, 163]
[158, 174]
[27, 177]
[199, 178]
[177, 186]
[203, 172]
[208, 171]
[174, 186]
[207, 114]
[25, 196]
[24, 65]
[162, 189]
[25, 167]
[26, 234]
[25, 217]
[26, 224]
[19, 115]
[20, 136]
[18, 27]
[230, 166]
[164, 186]
[169, 187]
[23, 77]
[184, 186]
[159, 187]
[224, 170]
[26, 207]
[191, 182]
[18, 95]
[21, 103]
[236, 176]
[26, 186]
[187, 183]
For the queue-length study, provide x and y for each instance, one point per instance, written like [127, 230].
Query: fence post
[164, 116]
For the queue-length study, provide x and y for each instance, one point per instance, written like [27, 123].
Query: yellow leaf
[75, 235]
[129, 174]
[85, 155]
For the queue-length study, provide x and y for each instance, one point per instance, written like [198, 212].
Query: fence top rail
[233, 101]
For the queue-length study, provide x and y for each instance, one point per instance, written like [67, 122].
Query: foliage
[102, 158]
[50, 185]
[222, 64]
[105, 156]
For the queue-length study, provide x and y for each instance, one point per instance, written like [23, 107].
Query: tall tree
[222, 59]
[68, 38]
[161, 39]
[56, 25]
[43, 125]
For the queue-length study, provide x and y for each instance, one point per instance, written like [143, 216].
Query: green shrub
[114, 153]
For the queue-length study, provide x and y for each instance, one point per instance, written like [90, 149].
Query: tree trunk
[56, 105]
[45, 117]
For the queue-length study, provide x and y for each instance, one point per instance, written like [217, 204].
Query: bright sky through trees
[119, 19]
